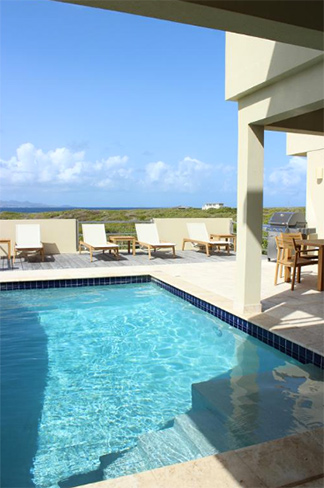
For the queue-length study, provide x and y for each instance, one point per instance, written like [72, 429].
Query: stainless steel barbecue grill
[286, 222]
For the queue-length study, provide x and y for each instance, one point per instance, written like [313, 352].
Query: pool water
[86, 372]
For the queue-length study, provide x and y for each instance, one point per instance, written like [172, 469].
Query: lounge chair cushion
[161, 244]
[28, 236]
[148, 234]
[95, 236]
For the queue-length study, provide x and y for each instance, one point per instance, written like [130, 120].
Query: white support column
[249, 216]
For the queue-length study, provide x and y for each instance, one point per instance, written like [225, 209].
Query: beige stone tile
[273, 464]
[294, 316]
[318, 435]
[310, 336]
[70, 273]
[317, 347]
[222, 471]
[140, 480]
[264, 320]
[285, 461]
[317, 483]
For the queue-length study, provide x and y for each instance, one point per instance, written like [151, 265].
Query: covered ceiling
[309, 123]
[298, 22]
[308, 14]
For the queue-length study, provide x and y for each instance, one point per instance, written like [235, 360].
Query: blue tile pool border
[293, 350]
[302, 354]
[74, 282]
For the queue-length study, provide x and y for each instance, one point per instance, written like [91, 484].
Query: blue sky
[100, 108]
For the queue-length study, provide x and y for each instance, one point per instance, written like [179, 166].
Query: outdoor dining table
[317, 243]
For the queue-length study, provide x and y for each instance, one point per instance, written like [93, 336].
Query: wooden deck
[65, 261]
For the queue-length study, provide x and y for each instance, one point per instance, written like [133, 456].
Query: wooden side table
[226, 237]
[129, 239]
[8, 242]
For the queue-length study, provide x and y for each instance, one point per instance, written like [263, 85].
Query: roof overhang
[297, 22]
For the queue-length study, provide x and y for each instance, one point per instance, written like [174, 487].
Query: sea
[61, 209]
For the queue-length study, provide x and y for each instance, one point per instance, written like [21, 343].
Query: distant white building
[207, 206]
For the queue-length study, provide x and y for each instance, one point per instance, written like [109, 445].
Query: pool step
[154, 450]
[192, 436]
[229, 413]
[166, 447]
[130, 462]
[265, 406]
[206, 431]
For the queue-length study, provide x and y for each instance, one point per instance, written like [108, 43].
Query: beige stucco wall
[313, 148]
[315, 192]
[253, 62]
[272, 83]
[174, 230]
[57, 235]
[301, 144]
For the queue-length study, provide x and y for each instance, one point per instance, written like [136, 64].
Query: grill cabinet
[285, 222]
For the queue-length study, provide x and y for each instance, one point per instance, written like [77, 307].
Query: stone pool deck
[291, 462]
[295, 461]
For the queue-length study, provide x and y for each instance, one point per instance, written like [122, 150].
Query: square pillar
[249, 217]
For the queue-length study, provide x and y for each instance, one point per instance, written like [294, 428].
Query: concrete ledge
[288, 462]
[57, 235]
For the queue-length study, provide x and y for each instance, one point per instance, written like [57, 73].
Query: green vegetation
[125, 216]
[140, 214]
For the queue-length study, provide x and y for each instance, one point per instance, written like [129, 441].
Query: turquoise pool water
[86, 372]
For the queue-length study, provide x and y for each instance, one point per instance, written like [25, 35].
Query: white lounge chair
[95, 239]
[148, 236]
[198, 235]
[28, 239]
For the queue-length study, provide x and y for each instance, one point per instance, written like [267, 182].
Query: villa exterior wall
[296, 94]
[275, 85]
[253, 62]
[174, 230]
[58, 235]
[313, 148]
[315, 191]
[301, 144]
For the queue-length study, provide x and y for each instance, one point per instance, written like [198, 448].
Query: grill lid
[290, 219]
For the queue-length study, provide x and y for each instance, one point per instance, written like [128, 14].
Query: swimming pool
[95, 379]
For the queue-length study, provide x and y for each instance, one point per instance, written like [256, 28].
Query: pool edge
[176, 287]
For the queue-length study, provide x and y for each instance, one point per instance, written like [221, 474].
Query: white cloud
[60, 167]
[120, 179]
[64, 169]
[112, 162]
[188, 175]
[290, 178]
[155, 171]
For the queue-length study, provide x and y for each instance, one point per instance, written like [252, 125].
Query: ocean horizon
[64, 209]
